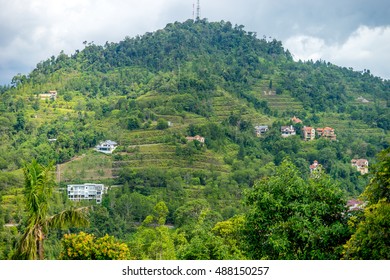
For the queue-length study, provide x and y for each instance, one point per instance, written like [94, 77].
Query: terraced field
[344, 125]
[277, 102]
[92, 166]
[164, 156]
[226, 104]
[282, 103]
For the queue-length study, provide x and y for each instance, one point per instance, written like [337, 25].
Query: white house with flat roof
[106, 147]
[86, 191]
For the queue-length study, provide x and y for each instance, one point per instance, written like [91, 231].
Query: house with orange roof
[313, 166]
[309, 133]
[196, 137]
[296, 120]
[326, 132]
[361, 165]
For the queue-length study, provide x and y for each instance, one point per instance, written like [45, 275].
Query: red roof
[308, 128]
[296, 120]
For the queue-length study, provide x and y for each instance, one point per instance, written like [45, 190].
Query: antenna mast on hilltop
[198, 10]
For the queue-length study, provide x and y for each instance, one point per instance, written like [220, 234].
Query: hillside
[150, 92]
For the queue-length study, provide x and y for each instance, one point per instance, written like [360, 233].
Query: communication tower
[197, 11]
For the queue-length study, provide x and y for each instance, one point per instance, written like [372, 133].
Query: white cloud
[305, 47]
[365, 48]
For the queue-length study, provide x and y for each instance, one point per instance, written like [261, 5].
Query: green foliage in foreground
[38, 190]
[371, 240]
[83, 246]
[287, 217]
[291, 218]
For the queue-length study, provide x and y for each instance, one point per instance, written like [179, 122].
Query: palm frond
[68, 218]
[27, 246]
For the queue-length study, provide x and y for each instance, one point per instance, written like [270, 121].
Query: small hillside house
[51, 94]
[106, 147]
[196, 137]
[287, 131]
[87, 191]
[314, 166]
[260, 129]
[309, 133]
[361, 165]
[327, 133]
[355, 205]
[296, 120]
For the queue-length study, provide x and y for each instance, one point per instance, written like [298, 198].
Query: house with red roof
[361, 165]
[196, 137]
[296, 120]
[326, 132]
[309, 133]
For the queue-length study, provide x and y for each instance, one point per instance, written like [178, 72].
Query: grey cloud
[331, 20]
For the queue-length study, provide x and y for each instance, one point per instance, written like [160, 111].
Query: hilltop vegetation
[148, 94]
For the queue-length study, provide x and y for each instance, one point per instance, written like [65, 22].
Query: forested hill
[216, 54]
[150, 92]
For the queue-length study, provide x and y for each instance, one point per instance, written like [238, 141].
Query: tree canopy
[291, 218]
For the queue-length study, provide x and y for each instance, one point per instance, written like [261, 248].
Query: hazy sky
[351, 33]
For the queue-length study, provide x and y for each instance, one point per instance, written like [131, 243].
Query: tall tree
[153, 240]
[371, 240]
[38, 188]
[291, 218]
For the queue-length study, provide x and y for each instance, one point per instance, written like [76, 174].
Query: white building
[196, 137]
[260, 129]
[287, 131]
[361, 165]
[106, 147]
[52, 95]
[87, 191]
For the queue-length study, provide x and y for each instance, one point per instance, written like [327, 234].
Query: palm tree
[38, 189]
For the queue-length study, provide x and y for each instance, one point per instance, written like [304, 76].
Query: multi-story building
[361, 165]
[87, 191]
[309, 133]
[287, 131]
[106, 147]
[327, 133]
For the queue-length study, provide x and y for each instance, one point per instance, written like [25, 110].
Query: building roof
[308, 128]
[360, 162]
[355, 204]
[107, 143]
[296, 120]
[287, 128]
[261, 126]
[314, 165]
[196, 137]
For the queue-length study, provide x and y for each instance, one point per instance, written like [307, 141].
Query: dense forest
[239, 194]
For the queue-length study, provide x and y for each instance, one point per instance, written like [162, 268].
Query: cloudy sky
[350, 33]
